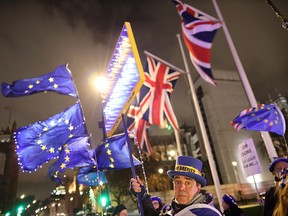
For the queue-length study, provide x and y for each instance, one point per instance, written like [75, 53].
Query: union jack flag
[156, 91]
[198, 31]
[154, 105]
[140, 129]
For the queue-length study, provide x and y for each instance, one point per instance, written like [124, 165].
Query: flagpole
[177, 137]
[165, 62]
[265, 135]
[202, 129]
[132, 163]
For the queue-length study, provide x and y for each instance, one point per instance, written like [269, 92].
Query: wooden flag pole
[132, 163]
[265, 135]
[202, 129]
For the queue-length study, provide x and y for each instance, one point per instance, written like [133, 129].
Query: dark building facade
[8, 169]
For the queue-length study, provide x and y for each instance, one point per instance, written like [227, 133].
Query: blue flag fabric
[113, 153]
[42, 141]
[262, 118]
[90, 176]
[75, 153]
[60, 81]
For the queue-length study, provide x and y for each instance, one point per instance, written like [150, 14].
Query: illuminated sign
[125, 77]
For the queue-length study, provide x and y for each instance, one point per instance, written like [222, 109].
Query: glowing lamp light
[172, 153]
[124, 76]
[101, 84]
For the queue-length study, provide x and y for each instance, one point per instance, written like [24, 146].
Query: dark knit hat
[277, 160]
[230, 200]
[118, 209]
[156, 198]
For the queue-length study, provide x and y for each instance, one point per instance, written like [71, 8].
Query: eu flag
[262, 118]
[75, 153]
[90, 176]
[42, 141]
[60, 81]
[113, 153]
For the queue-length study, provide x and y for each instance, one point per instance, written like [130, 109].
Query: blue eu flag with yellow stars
[75, 153]
[42, 141]
[60, 81]
[90, 176]
[113, 153]
[262, 118]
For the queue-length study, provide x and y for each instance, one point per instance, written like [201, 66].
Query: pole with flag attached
[176, 132]
[202, 128]
[265, 135]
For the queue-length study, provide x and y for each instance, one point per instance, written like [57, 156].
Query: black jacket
[234, 211]
[271, 199]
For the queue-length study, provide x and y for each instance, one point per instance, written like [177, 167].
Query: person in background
[230, 206]
[271, 195]
[110, 211]
[157, 203]
[120, 210]
[189, 198]
[281, 208]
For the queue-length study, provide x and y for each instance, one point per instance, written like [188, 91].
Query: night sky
[38, 36]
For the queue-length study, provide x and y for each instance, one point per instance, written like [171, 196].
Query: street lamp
[234, 164]
[100, 84]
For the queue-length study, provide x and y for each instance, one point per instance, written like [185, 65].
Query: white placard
[249, 158]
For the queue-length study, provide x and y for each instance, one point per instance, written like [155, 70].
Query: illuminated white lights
[124, 77]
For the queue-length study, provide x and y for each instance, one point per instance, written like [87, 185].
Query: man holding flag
[189, 198]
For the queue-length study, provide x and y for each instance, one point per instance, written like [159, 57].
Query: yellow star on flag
[67, 159]
[109, 152]
[52, 150]
[63, 166]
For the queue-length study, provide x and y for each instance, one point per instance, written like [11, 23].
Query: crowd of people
[190, 199]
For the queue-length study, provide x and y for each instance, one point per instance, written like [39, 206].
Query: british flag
[138, 126]
[198, 31]
[156, 91]
[154, 105]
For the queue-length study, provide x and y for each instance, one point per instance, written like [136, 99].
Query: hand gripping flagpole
[131, 162]
[133, 135]
[202, 129]
[265, 135]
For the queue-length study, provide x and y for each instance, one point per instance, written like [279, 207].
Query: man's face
[124, 213]
[279, 166]
[156, 204]
[185, 189]
[225, 205]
